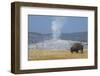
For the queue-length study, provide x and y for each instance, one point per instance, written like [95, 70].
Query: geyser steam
[57, 25]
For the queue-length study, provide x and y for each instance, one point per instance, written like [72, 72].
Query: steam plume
[57, 24]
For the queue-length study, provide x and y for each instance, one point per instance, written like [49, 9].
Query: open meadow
[55, 54]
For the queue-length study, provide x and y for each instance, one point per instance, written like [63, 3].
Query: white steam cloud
[57, 25]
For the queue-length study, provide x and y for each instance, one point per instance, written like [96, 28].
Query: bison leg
[81, 51]
[71, 51]
[77, 51]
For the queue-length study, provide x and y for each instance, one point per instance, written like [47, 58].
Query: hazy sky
[43, 24]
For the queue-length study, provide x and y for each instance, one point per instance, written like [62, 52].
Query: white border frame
[25, 64]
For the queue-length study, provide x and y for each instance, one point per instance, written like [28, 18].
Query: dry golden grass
[54, 54]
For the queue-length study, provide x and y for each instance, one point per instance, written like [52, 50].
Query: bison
[76, 47]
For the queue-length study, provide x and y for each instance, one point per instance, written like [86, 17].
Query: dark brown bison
[76, 47]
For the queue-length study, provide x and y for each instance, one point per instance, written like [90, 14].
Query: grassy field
[54, 54]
